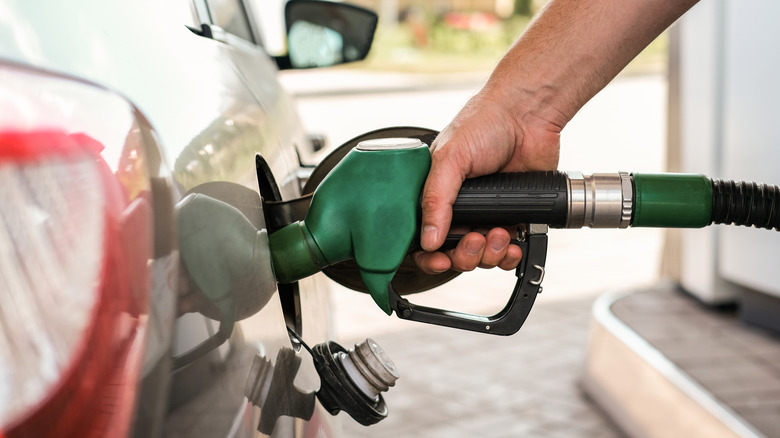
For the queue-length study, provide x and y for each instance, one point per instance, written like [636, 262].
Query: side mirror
[323, 33]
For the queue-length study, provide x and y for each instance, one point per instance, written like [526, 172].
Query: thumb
[438, 195]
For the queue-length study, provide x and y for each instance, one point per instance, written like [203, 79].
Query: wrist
[536, 93]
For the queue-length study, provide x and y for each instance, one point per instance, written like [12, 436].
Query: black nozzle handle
[506, 199]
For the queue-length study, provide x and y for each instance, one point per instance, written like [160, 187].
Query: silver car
[113, 116]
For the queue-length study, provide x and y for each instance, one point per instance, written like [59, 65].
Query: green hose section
[672, 200]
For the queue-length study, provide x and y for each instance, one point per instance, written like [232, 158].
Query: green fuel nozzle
[367, 209]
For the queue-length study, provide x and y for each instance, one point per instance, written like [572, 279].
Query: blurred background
[696, 100]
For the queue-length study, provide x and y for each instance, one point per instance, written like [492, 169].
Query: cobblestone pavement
[461, 384]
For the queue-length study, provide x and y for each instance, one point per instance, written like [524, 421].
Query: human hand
[570, 51]
[485, 137]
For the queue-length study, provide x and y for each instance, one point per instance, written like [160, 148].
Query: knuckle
[464, 264]
[431, 201]
[463, 268]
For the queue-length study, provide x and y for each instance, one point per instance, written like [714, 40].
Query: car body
[110, 114]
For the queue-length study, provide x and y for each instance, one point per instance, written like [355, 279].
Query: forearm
[573, 49]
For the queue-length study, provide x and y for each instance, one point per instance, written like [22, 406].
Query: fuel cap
[369, 367]
[352, 381]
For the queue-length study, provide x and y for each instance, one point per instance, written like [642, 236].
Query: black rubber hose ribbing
[746, 203]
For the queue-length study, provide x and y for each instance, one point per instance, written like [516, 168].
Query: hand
[485, 137]
[569, 52]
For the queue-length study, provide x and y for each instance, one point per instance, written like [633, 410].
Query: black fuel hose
[745, 203]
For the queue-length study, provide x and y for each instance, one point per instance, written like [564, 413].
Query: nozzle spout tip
[377, 284]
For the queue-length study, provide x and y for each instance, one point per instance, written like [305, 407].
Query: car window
[231, 16]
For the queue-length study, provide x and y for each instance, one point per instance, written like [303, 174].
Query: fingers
[468, 254]
[485, 251]
[496, 248]
[432, 262]
[513, 256]
[439, 193]
[474, 250]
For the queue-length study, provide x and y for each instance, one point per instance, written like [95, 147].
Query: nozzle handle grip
[504, 199]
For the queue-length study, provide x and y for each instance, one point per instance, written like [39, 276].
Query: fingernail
[498, 244]
[473, 247]
[428, 239]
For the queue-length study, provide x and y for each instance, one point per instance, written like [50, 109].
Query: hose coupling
[600, 200]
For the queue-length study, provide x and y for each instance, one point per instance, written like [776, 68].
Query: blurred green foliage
[524, 7]
[491, 42]
[434, 46]
[426, 43]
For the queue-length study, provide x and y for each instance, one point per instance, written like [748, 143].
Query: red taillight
[74, 248]
[52, 244]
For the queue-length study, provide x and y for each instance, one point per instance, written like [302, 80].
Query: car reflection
[275, 382]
